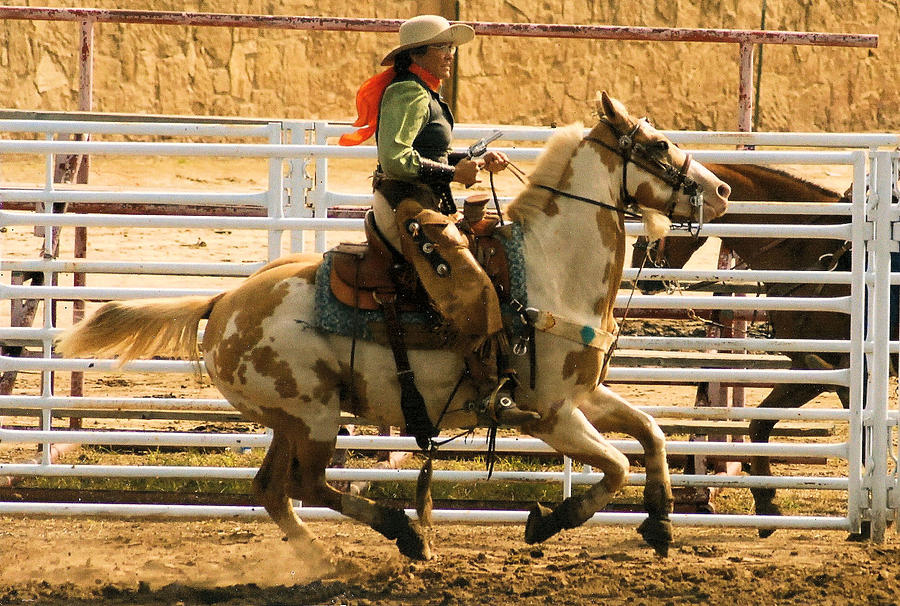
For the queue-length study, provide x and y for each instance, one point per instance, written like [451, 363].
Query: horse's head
[664, 252]
[657, 176]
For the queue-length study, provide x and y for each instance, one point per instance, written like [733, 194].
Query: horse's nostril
[724, 190]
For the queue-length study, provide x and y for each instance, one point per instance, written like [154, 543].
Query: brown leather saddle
[361, 272]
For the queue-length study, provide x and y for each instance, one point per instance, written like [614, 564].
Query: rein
[675, 178]
[565, 194]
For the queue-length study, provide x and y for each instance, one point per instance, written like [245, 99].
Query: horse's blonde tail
[140, 328]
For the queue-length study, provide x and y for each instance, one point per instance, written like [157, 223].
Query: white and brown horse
[264, 353]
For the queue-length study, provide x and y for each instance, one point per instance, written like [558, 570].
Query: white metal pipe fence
[296, 202]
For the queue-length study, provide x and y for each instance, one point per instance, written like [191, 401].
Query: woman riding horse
[413, 204]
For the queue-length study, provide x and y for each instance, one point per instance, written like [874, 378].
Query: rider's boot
[498, 406]
[501, 408]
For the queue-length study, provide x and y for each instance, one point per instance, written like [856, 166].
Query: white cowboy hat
[429, 29]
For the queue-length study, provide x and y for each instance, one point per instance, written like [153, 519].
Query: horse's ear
[611, 108]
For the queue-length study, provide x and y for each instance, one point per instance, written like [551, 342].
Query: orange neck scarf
[368, 101]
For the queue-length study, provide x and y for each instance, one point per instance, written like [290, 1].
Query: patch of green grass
[197, 457]
[733, 500]
[479, 490]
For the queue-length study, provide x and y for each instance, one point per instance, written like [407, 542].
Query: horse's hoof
[539, 526]
[657, 534]
[414, 543]
[767, 508]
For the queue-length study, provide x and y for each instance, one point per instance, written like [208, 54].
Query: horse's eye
[661, 146]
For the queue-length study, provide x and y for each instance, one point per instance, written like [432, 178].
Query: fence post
[275, 194]
[893, 495]
[319, 194]
[877, 399]
[299, 183]
[857, 496]
[745, 89]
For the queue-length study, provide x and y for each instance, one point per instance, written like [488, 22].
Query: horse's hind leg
[307, 482]
[567, 430]
[784, 395]
[271, 489]
[607, 411]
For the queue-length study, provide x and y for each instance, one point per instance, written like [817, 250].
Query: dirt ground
[80, 561]
[113, 561]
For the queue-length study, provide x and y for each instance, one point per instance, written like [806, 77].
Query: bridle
[636, 153]
[631, 151]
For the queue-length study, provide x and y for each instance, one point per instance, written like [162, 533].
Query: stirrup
[497, 409]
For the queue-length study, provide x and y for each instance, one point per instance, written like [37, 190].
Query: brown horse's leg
[607, 411]
[307, 482]
[781, 396]
[270, 487]
[566, 429]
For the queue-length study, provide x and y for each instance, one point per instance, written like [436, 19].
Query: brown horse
[265, 352]
[751, 182]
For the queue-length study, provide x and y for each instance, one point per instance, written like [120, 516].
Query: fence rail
[745, 39]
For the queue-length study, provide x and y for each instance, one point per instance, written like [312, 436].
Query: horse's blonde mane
[551, 166]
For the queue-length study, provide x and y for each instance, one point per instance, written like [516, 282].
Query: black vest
[434, 139]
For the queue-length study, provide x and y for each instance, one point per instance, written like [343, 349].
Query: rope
[496, 199]
[609, 352]
[517, 172]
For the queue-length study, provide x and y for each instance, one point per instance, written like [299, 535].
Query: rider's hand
[466, 172]
[495, 161]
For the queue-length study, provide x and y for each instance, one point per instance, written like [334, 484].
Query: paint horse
[751, 182]
[264, 352]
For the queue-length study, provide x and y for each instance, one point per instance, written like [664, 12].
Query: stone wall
[303, 74]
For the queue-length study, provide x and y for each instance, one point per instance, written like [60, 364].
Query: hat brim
[457, 34]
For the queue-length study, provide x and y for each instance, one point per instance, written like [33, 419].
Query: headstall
[631, 151]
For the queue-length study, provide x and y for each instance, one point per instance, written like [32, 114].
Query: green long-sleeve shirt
[405, 112]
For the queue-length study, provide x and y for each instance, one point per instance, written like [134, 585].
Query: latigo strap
[412, 403]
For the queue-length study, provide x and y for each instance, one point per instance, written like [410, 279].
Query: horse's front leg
[607, 411]
[565, 428]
